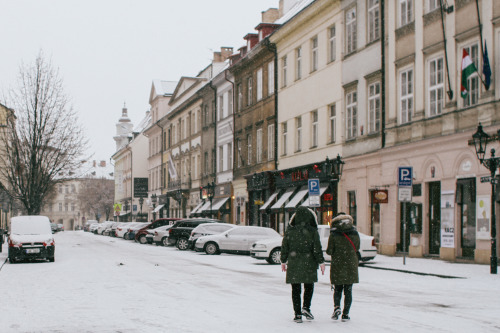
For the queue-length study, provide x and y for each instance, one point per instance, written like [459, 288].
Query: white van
[30, 238]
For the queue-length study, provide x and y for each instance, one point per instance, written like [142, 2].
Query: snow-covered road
[102, 284]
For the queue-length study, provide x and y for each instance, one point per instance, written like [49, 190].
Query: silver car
[238, 239]
[206, 229]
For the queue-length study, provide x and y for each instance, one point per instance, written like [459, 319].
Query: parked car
[53, 228]
[130, 235]
[93, 227]
[108, 230]
[31, 238]
[87, 224]
[206, 229]
[103, 226]
[270, 249]
[180, 232]
[60, 227]
[140, 235]
[238, 239]
[123, 228]
[159, 235]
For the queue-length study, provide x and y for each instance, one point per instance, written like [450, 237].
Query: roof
[164, 87]
[144, 123]
[297, 8]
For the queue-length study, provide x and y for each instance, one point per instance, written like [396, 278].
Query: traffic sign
[404, 194]
[313, 185]
[405, 176]
[485, 179]
[314, 201]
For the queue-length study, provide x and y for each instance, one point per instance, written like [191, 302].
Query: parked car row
[214, 237]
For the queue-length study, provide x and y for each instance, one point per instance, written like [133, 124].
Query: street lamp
[153, 200]
[481, 139]
[210, 195]
[334, 169]
[126, 206]
[141, 201]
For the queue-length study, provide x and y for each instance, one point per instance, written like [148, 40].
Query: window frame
[473, 80]
[374, 107]
[332, 43]
[314, 129]
[332, 122]
[351, 31]
[259, 84]
[298, 63]
[298, 134]
[314, 53]
[284, 138]
[351, 114]
[373, 20]
[284, 66]
[258, 158]
[409, 16]
[405, 95]
[270, 142]
[439, 87]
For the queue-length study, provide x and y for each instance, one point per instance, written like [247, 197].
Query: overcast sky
[109, 51]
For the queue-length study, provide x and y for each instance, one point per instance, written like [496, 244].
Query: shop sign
[259, 202]
[380, 196]
[483, 213]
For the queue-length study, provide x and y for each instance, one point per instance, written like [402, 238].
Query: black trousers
[296, 293]
[337, 296]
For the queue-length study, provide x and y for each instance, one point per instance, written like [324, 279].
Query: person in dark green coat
[343, 246]
[301, 254]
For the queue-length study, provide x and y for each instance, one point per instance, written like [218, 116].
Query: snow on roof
[297, 8]
[144, 123]
[164, 87]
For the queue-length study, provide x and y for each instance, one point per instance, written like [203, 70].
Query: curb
[417, 273]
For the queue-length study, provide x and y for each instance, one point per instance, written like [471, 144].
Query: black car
[180, 232]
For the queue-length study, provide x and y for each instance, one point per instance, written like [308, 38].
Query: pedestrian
[301, 254]
[343, 247]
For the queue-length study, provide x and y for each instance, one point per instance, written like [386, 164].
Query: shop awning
[281, 201]
[203, 208]
[217, 205]
[157, 209]
[124, 213]
[296, 198]
[322, 190]
[269, 200]
[196, 208]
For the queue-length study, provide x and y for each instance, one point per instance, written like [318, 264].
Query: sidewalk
[428, 266]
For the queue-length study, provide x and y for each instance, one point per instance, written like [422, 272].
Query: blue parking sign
[405, 176]
[313, 185]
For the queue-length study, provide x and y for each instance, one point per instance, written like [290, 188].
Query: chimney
[270, 15]
[223, 55]
[252, 40]
[102, 164]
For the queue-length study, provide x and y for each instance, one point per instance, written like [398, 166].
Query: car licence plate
[33, 251]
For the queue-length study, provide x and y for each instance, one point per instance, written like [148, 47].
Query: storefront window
[351, 197]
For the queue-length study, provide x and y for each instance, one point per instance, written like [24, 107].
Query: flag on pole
[171, 167]
[468, 69]
[486, 68]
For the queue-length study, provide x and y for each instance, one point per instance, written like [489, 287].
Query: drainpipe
[234, 117]
[214, 162]
[382, 47]
[161, 165]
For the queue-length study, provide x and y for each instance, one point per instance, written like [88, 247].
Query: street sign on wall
[140, 187]
[405, 176]
[314, 190]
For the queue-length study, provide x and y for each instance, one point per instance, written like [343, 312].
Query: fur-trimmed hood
[304, 216]
[342, 222]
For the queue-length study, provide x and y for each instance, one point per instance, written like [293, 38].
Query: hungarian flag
[468, 69]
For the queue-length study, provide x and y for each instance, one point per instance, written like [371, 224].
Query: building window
[332, 44]
[374, 107]
[473, 80]
[259, 84]
[259, 146]
[314, 54]
[221, 107]
[240, 97]
[213, 161]
[436, 86]
[238, 153]
[206, 165]
[351, 114]
[373, 20]
[406, 101]
[432, 5]
[221, 158]
[270, 142]
[331, 124]
[249, 149]
[229, 156]
[249, 90]
[66, 189]
[314, 129]
[270, 78]
[298, 134]
[351, 197]
[60, 206]
[72, 207]
[65, 206]
[284, 134]
[283, 71]
[298, 64]
[60, 189]
[351, 31]
[405, 12]
[230, 102]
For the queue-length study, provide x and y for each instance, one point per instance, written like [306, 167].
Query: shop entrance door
[434, 217]
[466, 200]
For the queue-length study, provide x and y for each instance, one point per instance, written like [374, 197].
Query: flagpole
[480, 28]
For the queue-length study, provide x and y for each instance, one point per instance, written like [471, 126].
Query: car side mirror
[227, 235]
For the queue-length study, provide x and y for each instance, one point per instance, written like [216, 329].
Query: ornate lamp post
[141, 201]
[210, 195]
[334, 169]
[481, 139]
[154, 199]
[125, 206]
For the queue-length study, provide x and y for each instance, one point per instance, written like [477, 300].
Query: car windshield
[30, 226]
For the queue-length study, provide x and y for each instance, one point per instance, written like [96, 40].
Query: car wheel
[143, 240]
[182, 244]
[52, 259]
[125, 235]
[211, 248]
[164, 241]
[274, 257]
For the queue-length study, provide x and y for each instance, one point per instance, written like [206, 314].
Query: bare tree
[97, 196]
[43, 139]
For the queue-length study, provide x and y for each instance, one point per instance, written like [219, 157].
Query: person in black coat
[343, 246]
[301, 254]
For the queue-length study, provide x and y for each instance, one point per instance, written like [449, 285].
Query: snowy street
[103, 284]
